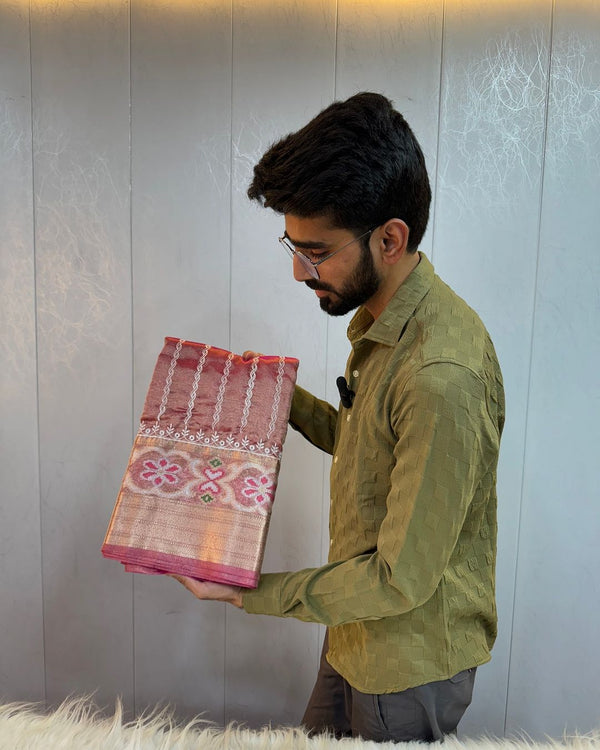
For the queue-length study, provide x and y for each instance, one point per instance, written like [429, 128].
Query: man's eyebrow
[307, 245]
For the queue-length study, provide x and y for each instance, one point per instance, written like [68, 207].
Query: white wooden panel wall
[128, 131]
[555, 653]
[80, 96]
[180, 79]
[21, 639]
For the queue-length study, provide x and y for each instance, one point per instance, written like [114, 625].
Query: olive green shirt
[408, 592]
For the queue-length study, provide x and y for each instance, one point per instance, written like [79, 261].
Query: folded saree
[198, 490]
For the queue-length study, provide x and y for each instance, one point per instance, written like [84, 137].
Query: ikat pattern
[198, 492]
[202, 475]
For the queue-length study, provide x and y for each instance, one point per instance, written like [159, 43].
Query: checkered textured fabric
[408, 593]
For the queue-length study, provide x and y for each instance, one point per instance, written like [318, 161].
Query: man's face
[348, 279]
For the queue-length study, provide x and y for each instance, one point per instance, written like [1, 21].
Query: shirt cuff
[266, 598]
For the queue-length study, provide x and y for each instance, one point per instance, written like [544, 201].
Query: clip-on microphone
[346, 395]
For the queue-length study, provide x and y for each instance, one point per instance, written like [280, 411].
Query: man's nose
[301, 273]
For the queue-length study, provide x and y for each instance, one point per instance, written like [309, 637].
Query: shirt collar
[389, 325]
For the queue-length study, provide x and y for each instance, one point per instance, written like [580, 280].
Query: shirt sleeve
[314, 419]
[446, 443]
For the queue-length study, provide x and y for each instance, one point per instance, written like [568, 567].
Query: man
[408, 592]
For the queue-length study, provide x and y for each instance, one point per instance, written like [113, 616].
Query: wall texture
[128, 131]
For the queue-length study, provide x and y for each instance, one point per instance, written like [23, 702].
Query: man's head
[357, 163]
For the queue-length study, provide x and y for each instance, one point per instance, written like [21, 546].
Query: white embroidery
[212, 437]
[277, 396]
[169, 381]
[249, 391]
[220, 440]
[194, 391]
[222, 386]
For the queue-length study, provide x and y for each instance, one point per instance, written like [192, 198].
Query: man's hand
[218, 592]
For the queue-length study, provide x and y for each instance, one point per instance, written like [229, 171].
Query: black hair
[357, 162]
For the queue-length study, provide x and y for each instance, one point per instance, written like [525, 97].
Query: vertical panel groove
[231, 32]
[36, 334]
[531, 345]
[132, 351]
[325, 498]
[231, 10]
[335, 46]
[439, 130]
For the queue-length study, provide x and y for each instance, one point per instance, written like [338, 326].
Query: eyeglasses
[311, 265]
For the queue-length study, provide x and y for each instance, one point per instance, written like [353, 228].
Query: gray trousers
[425, 713]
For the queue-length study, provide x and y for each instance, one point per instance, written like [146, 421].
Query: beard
[355, 291]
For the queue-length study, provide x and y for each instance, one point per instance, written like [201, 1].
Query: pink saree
[197, 494]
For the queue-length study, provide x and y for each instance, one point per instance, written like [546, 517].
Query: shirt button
[348, 417]
[355, 373]
[335, 460]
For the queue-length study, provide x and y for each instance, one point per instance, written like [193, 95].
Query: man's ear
[394, 240]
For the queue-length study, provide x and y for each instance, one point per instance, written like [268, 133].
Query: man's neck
[390, 285]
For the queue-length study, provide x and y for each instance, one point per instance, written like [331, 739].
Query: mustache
[318, 286]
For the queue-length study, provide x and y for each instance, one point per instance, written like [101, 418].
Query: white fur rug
[78, 725]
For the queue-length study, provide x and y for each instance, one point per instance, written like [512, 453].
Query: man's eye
[313, 254]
